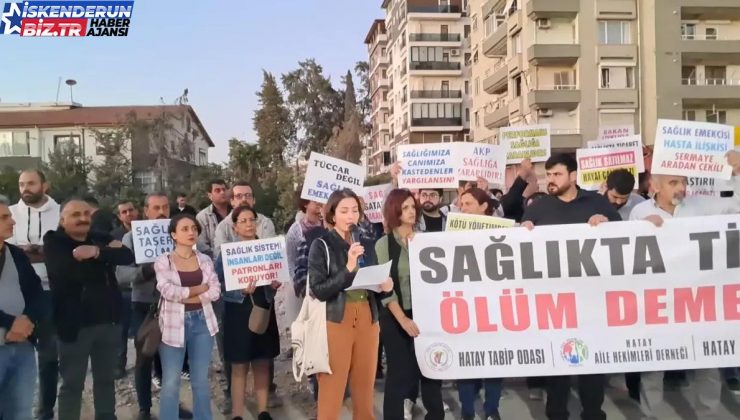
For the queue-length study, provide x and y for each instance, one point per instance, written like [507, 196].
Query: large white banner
[575, 299]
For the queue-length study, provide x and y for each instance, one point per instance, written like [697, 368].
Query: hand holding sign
[733, 159]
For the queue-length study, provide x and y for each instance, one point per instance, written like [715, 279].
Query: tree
[345, 142]
[67, 172]
[272, 122]
[9, 184]
[246, 161]
[316, 108]
[200, 183]
[113, 177]
[365, 101]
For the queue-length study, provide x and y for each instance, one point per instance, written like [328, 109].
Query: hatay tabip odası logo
[574, 351]
[439, 357]
[66, 18]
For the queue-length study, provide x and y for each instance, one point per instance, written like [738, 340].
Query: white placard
[429, 165]
[263, 260]
[374, 200]
[689, 148]
[632, 142]
[151, 239]
[487, 161]
[325, 174]
[616, 132]
[595, 165]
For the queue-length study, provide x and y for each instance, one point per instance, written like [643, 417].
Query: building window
[711, 34]
[477, 120]
[516, 43]
[476, 86]
[614, 32]
[467, 87]
[689, 115]
[562, 80]
[145, 181]
[475, 23]
[15, 143]
[202, 157]
[617, 78]
[467, 114]
[447, 138]
[518, 86]
[714, 116]
[688, 31]
[72, 140]
[383, 51]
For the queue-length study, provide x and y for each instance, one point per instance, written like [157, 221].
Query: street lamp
[70, 83]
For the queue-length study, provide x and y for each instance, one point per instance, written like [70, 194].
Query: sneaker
[184, 413]
[446, 407]
[185, 376]
[408, 409]
[536, 394]
[733, 385]
[494, 416]
[156, 383]
[264, 416]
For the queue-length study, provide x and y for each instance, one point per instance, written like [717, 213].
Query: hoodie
[31, 224]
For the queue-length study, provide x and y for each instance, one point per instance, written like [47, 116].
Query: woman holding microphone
[352, 316]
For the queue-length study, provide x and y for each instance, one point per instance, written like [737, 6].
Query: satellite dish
[70, 82]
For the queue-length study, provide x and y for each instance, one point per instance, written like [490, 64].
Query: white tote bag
[308, 335]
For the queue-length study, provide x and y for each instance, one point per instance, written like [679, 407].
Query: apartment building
[429, 83]
[378, 146]
[690, 61]
[572, 64]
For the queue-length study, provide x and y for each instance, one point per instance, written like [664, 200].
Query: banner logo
[66, 18]
[439, 357]
[574, 351]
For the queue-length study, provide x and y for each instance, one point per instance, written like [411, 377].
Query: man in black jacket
[87, 307]
[21, 308]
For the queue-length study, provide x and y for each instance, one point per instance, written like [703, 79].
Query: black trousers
[590, 391]
[403, 374]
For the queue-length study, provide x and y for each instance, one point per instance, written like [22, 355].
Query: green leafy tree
[246, 161]
[315, 106]
[9, 184]
[364, 91]
[67, 171]
[272, 122]
[113, 176]
[345, 142]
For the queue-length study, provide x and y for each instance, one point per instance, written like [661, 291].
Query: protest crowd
[74, 290]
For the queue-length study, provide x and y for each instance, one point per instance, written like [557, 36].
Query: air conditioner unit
[544, 112]
[454, 53]
[543, 23]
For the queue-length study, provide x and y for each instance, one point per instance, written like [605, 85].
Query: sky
[216, 52]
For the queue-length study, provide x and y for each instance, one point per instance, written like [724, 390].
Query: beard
[677, 199]
[556, 191]
[618, 206]
[429, 207]
[29, 197]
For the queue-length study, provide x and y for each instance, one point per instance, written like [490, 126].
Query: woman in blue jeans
[478, 202]
[188, 285]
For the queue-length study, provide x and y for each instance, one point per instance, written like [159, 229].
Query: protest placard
[429, 165]
[706, 187]
[463, 221]
[532, 141]
[325, 174]
[263, 260]
[513, 302]
[595, 165]
[151, 239]
[487, 161]
[616, 132]
[689, 148]
[374, 199]
[632, 142]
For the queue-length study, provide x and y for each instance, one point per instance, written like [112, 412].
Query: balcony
[450, 12]
[436, 38]
[557, 96]
[554, 54]
[436, 124]
[566, 138]
[494, 44]
[714, 10]
[436, 94]
[490, 5]
[616, 52]
[616, 9]
[515, 21]
[537, 9]
[723, 93]
[617, 98]
[499, 117]
[515, 64]
[700, 47]
[497, 78]
[436, 68]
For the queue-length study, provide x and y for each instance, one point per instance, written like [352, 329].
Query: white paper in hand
[370, 278]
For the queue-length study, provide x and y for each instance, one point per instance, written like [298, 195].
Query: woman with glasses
[242, 347]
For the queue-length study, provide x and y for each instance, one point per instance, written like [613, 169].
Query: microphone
[354, 232]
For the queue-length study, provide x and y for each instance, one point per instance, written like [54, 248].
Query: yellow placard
[462, 221]
[737, 136]
[595, 177]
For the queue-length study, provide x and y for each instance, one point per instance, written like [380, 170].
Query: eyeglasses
[430, 195]
[247, 221]
[243, 196]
